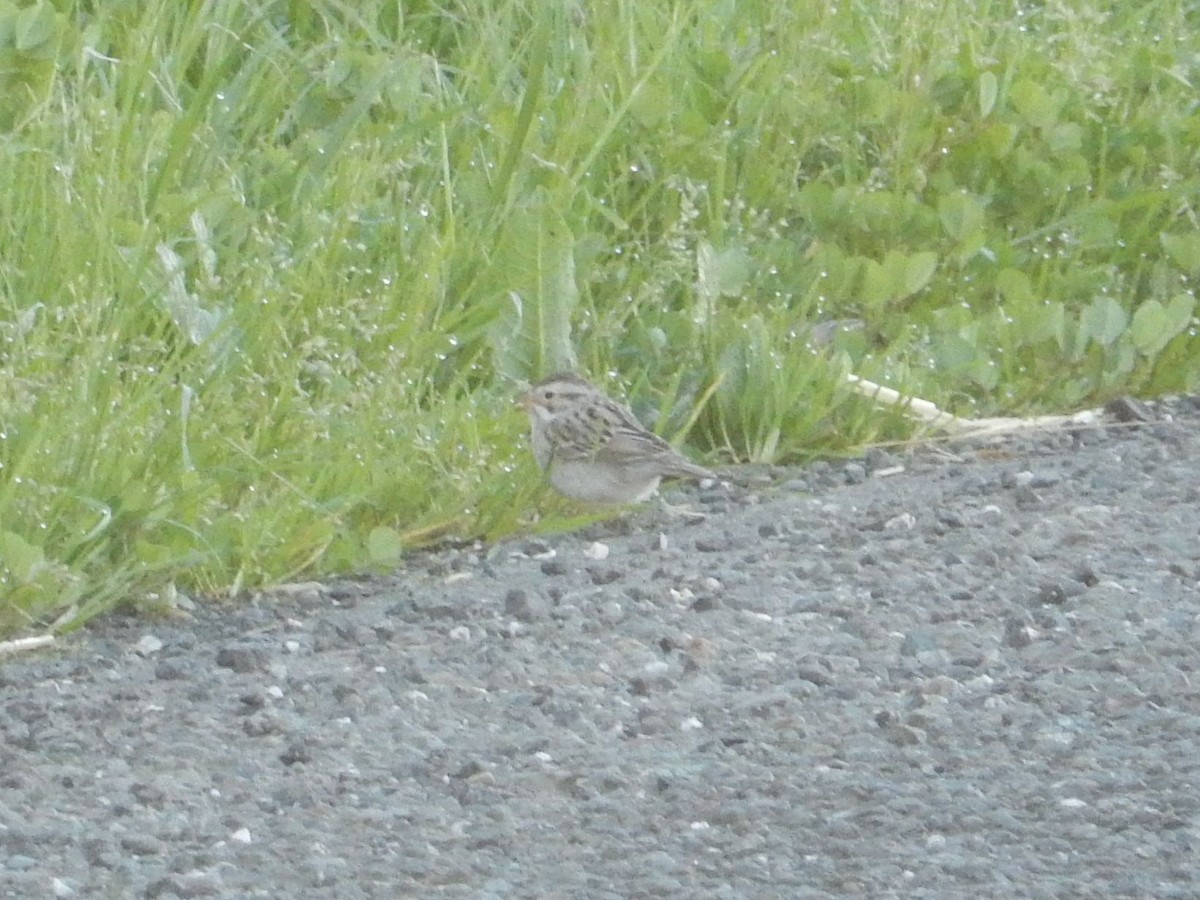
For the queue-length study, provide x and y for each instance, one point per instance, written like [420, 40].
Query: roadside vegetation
[271, 273]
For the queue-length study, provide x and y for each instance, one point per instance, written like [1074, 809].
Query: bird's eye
[549, 395]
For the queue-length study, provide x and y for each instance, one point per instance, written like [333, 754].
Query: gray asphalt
[964, 671]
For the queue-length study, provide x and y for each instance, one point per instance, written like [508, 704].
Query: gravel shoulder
[964, 671]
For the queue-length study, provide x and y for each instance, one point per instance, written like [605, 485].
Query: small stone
[148, 795]
[604, 576]
[917, 642]
[538, 550]
[877, 459]
[1044, 479]
[1127, 409]
[596, 551]
[262, 724]
[950, 518]
[814, 676]
[241, 659]
[189, 885]
[148, 645]
[1026, 498]
[143, 845]
[524, 606]
[470, 769]
[854, 473]
[905, 736]
[1059, 592]
[297, 752]
[1017, 633]
[168, 670]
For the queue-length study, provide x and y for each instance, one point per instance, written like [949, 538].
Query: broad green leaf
[384, 546]
[1064, 137]
[20, 557]
[1014, 286]
[535, 267]
[1035, 104]
[1184, 250]
[954, 353]
[988, 90]
[1103, 321]
[1120, 362]
[1180, 310]
[1148, 327]
[1099, 230]
[8, 25]
[962, 216]
[36, 27]
[984, 373]
[1043, 322]
[1154, 325]
[876, 286]
[918, 269]
[733, 271]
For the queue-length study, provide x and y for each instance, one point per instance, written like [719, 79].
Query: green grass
[270, 273]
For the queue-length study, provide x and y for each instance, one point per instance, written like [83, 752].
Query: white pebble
[148, 645]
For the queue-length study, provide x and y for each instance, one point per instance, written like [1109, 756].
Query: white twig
[935, 418]
[30, 643]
